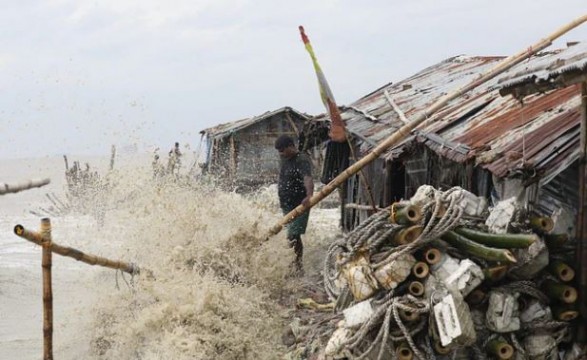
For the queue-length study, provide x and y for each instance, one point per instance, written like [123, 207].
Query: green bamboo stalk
[554, 241]
[495, 273]
[478, 250]
[558, 291]
[501, 241]
[541, 224]
[561, 270]
[565, 313]
[500, 348]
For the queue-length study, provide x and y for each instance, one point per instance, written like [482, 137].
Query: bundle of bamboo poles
[504, 291]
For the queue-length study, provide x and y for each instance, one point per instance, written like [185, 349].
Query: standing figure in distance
[295, 187]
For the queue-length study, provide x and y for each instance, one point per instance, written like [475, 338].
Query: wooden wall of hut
[247, 157]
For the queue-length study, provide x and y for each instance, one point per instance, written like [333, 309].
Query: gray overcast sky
[79, 75]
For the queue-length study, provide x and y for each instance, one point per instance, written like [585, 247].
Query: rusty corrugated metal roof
[226, 129]
[500, 133]
[546, 71]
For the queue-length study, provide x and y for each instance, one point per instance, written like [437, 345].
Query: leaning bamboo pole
[23, 185]
[46, 263]
[405, 130]
[38, 239]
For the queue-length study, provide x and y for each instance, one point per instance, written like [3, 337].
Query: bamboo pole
[433, 256]
[403, 352]
[555, 290]
[565, 312]
[416, 288]
[112, 156]
[561, 270]
[554, 241]
[500, 349]
[542, 224]
[481, 251]
[495, 273]
[501, 241]
[407, 235]
[38, 239]
[45, 233]
[361, 207]
[23, 185]
[405, 215]
[420, 270]
[405, 130]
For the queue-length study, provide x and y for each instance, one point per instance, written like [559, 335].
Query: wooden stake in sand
[38, 239]
[405, 130]
[45, 232]
[23, 185]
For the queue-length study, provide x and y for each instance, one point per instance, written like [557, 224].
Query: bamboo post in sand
[45, 233]
[23, 185]
[38, 239]
[112, 157]
[405, 130]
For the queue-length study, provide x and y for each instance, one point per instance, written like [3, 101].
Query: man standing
[295, 187]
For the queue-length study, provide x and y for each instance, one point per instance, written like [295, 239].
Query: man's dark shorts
[298, 226]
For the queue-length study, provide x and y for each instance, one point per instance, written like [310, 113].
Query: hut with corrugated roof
[242, 152]
[494, 146]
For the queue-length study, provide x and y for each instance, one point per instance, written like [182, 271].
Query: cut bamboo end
[509, 256]
[495, 273]
[19, 230]
[500, 349]
[403, 352]
[421, 270]
[433, 256]
[565, 314]
[568, 315]
[570, 295]
[416, 288]
[442, 350]
[408, 235]
[408, 315]
[564, 293]
[563, 271]
[405, 214]
[542, 224]
[566, 274]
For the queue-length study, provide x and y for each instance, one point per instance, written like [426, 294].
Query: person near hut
[295, 187]
[174, 162]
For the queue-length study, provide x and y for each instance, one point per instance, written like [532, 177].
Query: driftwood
[47, 290]
[405, 130]
[23, 185]
[38, 239]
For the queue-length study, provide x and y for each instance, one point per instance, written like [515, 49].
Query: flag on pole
[337, 131]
